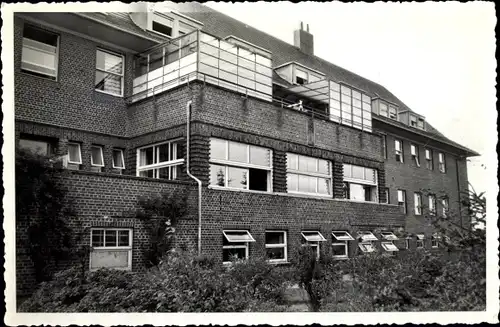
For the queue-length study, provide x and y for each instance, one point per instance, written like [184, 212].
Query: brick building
[290, 149]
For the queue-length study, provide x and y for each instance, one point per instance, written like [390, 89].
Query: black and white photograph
[250, 163]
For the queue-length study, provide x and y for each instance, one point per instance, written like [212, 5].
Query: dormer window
[387, 110]
[171, 24]
[300, 77]
[299, 74]
[417, 122]
[162, 28]
[393, 112]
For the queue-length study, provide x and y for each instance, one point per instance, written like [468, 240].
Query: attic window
[163, 29]
[300, 77]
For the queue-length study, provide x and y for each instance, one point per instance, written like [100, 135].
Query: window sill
[27, 73]
[221, 188]
[278, 263]
[110, 94]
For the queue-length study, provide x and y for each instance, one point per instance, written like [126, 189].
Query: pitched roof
[222, 25]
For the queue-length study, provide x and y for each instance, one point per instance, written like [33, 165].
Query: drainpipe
[188, 131]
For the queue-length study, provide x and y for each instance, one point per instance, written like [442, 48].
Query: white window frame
[435, 241]
[296, 171]
[367, 247]
[398, 151]
[389, 107]
[428, 158]
[366, 236]
[389, 236]
[364, 182]
[432, 204]
[402, 199]
[417, 203]
[442, 162]
[122, 75]
[341, 240]
[415, 154]
[313, 243]
[420, 240]
[445, 206]
[239, 246]
[56, 63]
[79, 151]
[113, 159]
[100, 153]
[280, 245]
[157, 166]
[242, 165]
[389, 246]
[112, 248]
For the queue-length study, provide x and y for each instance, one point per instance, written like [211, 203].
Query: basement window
[276, 246]
[240, 166]
[235, 244]
[389, 247]
[366, 247]
[111, 248]
[389, 236]
[366, 236]
[312, 239]
[340, 241]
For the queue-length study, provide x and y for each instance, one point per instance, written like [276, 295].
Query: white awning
[233, 236]
[342, 236]
[389, 246]
[389, 236]
[313, 236]
[366, 247]
[367, 236]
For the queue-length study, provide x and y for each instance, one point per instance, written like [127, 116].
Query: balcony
[201, 56]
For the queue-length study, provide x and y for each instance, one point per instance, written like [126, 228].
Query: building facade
[290, 150]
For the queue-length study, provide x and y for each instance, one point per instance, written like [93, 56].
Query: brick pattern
[279, 171]
[338, 180]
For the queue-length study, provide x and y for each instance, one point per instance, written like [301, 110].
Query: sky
[438, 58]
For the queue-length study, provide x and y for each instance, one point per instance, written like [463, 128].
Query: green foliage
[42, 207]
[160, 214]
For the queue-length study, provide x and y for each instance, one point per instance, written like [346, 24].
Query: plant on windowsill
[160, 215]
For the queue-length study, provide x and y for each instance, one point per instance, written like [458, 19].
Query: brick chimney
[304, 40]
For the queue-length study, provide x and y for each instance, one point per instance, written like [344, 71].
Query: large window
[340, 244]
[350, 107]
[276, 248]
[417, 203]
[415, 156]
[109, 72]
[308, 175]
[428, 159]
[398, 150]
[240, 166]
[313, 239]
[235, 245]
[111, 248]
[40, 147]
[40, 52]
[360, 183]
[402, 199]
[162, 160]
[442, 162]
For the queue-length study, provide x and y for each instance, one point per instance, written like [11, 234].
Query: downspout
[188, 131]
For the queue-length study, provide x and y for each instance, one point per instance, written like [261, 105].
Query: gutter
[188, 119]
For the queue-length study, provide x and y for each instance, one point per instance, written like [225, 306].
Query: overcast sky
[438, 58]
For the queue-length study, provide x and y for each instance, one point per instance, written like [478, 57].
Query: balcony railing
[201, 56]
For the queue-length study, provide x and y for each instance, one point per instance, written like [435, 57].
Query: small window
[383, 109]
[118, 161]
[342, 236]
[415, 154]
[276, 248]
[40, 52]
[398, 150]
[96, 156]
[235, 245]
[312, 239]
[402, 200]
[413, 121]
[367, 247]
[420, 241]
[432, 204]
[300, 77]
[389, 247]
[407, 243]
[340, 245]
[389, 236]
[393, 112]
[111, 248]
[442, 163]
[74, 154]
[444, 204]
[428, 159]
[366, 236]
[109, 72]
[435, 241]
[417, 203]
[163, 29]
